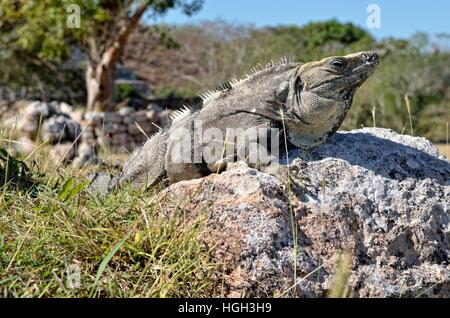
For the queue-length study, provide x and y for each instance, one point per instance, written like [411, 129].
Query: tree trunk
[99, 76]
[100, 85]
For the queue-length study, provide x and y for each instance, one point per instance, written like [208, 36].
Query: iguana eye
[337, 63]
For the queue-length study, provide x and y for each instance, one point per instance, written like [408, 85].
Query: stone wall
[78, 137]
[123, 130]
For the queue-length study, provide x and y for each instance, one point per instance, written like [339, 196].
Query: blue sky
[399, 18]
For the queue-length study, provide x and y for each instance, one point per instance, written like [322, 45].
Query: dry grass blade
[408, 107]
[339, 287]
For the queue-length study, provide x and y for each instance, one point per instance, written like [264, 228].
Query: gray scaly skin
[309, 100]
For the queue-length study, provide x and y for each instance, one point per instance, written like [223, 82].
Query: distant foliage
[39, 43]
[211, 53]
[185, 60]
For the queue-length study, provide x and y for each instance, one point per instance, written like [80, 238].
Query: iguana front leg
[262, 159]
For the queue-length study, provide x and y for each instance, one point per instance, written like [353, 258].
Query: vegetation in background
[124, 91]
[47, 32]
[185, 60]
[213, 52]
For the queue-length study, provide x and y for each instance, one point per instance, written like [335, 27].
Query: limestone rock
[63, 152]
[87, 154]
[381, 196]
[152, 115]
[125, 111]
[24, 145]
[112, 117]
[59, 128]
[66, 108]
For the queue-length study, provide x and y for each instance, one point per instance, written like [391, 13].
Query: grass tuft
[64, 242]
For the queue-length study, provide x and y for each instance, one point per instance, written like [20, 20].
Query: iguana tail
[146, 167]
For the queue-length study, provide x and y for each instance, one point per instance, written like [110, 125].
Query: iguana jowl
[309, 100]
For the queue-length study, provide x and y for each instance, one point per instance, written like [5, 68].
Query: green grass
[119, 244]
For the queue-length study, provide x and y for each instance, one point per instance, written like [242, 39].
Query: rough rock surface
[381, 196]
[62, 152]
[49, 122]
[59, 128]
[87, 154]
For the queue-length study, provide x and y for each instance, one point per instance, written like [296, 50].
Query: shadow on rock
[387, 154]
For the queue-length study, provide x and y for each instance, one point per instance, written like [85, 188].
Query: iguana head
[321, 94]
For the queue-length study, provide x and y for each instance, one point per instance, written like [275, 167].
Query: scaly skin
[308, 101]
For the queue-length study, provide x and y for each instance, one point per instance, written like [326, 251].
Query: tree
[30, 59]
[48, 30]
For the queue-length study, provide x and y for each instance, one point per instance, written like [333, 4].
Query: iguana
[307, 102]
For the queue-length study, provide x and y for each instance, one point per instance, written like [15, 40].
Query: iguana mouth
[362, 68]
[364, 71]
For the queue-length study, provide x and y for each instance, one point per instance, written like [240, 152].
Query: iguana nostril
[370, 57]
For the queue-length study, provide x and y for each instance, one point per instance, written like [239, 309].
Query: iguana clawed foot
[100, 183]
